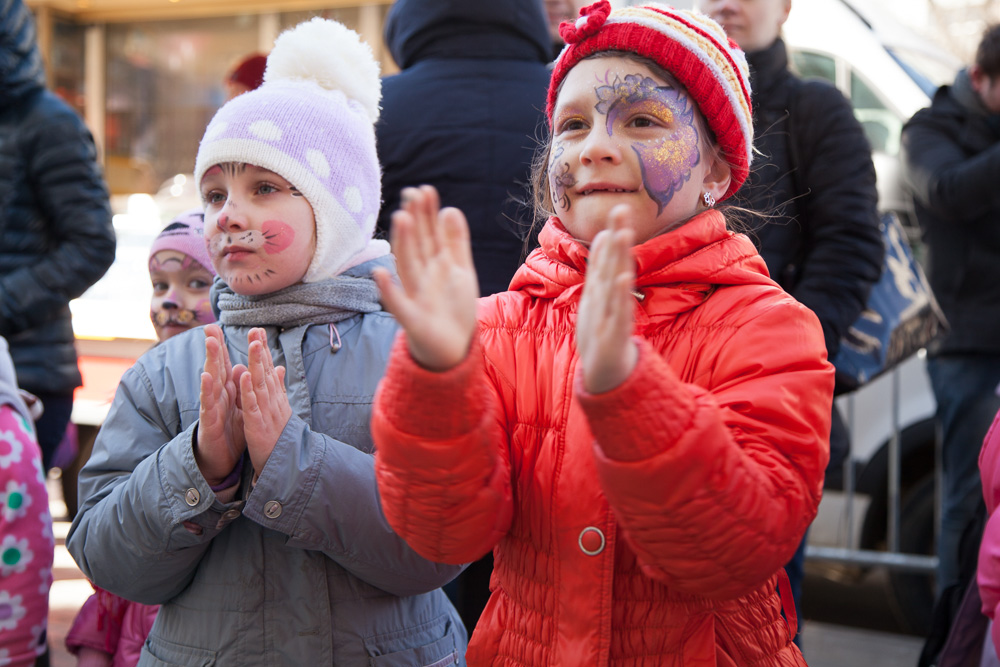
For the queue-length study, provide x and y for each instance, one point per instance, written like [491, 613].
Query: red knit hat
[689, 45]
[250, 71]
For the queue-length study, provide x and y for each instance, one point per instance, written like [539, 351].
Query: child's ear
[718, 176]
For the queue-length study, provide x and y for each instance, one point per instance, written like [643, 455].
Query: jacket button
[272, 509]
[229, 515]
[191, 497]
[591, 541]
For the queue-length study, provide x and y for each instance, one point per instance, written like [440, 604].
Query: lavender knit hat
[312, 122]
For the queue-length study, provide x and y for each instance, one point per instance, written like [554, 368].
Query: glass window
[881, 126]
[66, 62]
[810, 65]
[164, 83]
[346, 15]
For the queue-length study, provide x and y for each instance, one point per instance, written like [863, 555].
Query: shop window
[66, 63]
[165, 80]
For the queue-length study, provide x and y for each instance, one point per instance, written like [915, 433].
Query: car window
[815, 66]
[881, 126]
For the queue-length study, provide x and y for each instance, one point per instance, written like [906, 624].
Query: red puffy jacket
[642, 526]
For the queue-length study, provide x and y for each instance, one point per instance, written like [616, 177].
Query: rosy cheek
[277, 236]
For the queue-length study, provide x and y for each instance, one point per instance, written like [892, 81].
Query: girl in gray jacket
[233, 480]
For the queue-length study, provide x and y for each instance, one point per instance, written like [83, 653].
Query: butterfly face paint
[622, 135]
[666, 160]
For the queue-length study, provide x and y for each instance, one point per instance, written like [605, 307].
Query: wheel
[913, 593]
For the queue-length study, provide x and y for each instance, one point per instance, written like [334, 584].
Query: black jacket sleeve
[72, 203]
[955, 183]
[844, 249]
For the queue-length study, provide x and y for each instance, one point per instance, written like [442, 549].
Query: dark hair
[540, 194]
[988, 51]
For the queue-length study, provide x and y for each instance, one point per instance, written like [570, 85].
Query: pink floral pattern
[26, 545]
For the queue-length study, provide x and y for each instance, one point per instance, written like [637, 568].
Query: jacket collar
[689, 263]
[768, 67]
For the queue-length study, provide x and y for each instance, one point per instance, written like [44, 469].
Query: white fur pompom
[333, 56]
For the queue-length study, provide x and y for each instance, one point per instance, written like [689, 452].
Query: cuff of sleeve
[231, 480]
[652, 393]
[434, 405]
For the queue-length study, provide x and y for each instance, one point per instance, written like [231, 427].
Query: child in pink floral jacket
[26, 543]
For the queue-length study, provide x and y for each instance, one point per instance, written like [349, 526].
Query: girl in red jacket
[638, 429]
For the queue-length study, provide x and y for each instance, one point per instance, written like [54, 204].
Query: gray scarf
[324, 302]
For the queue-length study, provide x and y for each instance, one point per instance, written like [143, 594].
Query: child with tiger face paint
[182, 274]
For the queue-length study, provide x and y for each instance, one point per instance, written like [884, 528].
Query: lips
[601, 188]
[236, 252]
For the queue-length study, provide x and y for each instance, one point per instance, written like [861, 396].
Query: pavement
[826, 644]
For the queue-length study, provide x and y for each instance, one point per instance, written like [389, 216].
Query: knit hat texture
[312, 123]
[250, 71]
[689, 45]
[186, 234]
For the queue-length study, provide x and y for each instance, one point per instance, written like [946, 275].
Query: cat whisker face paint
[261, 231]
[181, 288]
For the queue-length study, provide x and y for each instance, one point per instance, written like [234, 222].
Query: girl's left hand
[266, 409]
[605, 324]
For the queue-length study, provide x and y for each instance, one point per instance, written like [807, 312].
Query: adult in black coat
[464, 115]
[951, 159]
[56, 237]
[814, 178]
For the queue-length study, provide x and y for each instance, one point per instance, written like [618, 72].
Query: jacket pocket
[436, 647]
[158, 652]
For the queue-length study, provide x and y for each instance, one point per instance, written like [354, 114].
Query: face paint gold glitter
[667, 161]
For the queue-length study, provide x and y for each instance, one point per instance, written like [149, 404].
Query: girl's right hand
[221, 441]
[436, 301]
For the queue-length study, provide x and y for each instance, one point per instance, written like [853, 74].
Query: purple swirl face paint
[668, 156]
[561, 179]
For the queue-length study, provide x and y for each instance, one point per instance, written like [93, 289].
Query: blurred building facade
[147, 75]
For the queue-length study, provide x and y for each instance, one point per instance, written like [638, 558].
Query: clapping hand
[221, 441]
[605, 323]
[436, 300]
[242, 409]
[266, 409]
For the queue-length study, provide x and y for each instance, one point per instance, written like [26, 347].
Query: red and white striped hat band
[689, 45]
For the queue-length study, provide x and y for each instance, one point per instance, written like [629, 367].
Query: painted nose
[229, 217]
[601, 146]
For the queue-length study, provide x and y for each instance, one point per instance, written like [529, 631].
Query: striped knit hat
[689, 45]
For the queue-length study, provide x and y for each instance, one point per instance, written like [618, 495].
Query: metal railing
[892, 557]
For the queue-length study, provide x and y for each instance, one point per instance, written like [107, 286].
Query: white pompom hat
[312, 122]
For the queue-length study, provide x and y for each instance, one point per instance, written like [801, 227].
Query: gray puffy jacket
[302, 569]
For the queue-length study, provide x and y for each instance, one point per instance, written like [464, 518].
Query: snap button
[191, 497]
[272, 509]
[591, 541]
[229, 515]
